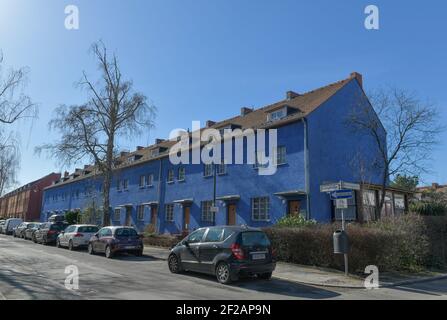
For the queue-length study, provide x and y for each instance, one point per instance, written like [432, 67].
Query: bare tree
[14, 103]
[9, 163]
[91, 130]
[404, 130]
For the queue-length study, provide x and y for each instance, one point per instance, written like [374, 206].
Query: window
[255, 239]
[125, 232]
[260, 209]
[117, 214]
[369, 205]
[140, 213]
[214, 235]
[126, 184]
[142, 181]
[281, 155]
[222, 169]
[118, 185]
[207, 214]
[181, 174]
[277, 115]
[155, 153]
[150, 180]
[196, 236]
[170, 176]
[169, 209]
[208, 170]
[399, 204]
[260, 155]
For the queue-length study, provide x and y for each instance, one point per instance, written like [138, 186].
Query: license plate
[258, 256]
[129, 247]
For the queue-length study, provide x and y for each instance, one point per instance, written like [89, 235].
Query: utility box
[341, 242]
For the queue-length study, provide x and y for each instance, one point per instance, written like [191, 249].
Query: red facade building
[26, 201]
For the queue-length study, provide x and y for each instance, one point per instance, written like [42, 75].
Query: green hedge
[400, 244]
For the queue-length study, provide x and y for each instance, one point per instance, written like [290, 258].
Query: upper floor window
[117, 214]
[207, 213]
[118, 185]
[142, 181]
[170, 176]
[281, 155]
[208, 170]
[260, 209]
[222, 169]
[169, 212]
[126, 184]
[150, 180]
[181, 174]
[261, 160]
[155, 152]
[277, 115]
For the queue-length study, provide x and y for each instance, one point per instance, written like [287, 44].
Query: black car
[226, 252]
[19, 232]
[47, 233]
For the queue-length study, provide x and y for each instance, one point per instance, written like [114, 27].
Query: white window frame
[170, 177]
[260, 209]
[278, 114]
[207, 174]
[281, 155]
[142, 182]
[140, 213]
[115, 213]
[169, 212]
[150, 180]
[181, 177]
[207, 214]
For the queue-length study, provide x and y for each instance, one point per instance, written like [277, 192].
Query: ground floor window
[169, 211]
[140, 213]
[399, 204]
[207, 214]
[369, 205]
[260, 208]
[117, 214]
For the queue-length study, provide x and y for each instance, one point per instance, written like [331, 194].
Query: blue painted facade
[331, 148]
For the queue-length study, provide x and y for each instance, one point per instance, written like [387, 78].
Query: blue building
[316, 144]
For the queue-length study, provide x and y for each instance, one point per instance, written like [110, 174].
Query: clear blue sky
[204, 59]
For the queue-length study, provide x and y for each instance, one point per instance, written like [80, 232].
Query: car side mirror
[96, 235]
[186, 243]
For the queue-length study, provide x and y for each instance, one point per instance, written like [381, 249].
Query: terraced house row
[315, 145]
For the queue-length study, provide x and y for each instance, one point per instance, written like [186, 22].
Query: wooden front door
[154, 216]
[186, 218]
[294, 208]
[231, 214]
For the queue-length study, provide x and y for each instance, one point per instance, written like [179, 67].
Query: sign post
[340, 192]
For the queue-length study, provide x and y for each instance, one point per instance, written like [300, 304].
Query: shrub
[72, 217]
[164, 240]
[390, 244]
[295, 221]
[429, 208]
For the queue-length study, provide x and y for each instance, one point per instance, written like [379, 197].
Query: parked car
[57, 218]
[10, 224]
[226, 252]
[19, 231]
[30, 233]
[113, 240]
[2, 223]
[48, 232]
[76, 236]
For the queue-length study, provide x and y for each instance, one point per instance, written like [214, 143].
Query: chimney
[358, 77]
[210, 123]
[78, 170]
[139, 148]
[435, 185]
[245, 111]
[291, 95]
[66, 174]
[158, 141]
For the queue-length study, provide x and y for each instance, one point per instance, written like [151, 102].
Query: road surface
[34, 271]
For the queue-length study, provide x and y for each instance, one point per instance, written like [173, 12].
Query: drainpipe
[306, 167]
[160, 171]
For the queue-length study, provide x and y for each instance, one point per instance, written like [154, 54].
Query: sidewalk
[325, 277]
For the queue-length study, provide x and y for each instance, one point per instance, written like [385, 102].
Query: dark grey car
[226, 252]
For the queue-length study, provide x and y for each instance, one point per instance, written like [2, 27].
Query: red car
[112, 240]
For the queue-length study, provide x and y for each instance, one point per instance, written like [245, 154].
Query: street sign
[341, 194]
[335, 186]
[342, 204]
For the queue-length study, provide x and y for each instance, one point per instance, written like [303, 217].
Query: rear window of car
[255, 238]
[88, 229]
[125, 232]
[58, 227]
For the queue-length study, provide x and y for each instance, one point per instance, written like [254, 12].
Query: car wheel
[265, 276]
[90, 249]
[34, 239]
[70, 245]
[109, 253]
[174, 264]
[223, 273]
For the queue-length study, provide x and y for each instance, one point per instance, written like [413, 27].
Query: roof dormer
[280, 112]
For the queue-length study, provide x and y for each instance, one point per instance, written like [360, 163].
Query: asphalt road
[34, 271]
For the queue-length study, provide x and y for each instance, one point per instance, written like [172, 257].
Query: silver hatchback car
[76, 236]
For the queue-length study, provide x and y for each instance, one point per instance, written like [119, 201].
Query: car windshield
[126, 232]
[30, 225]
[255, 238]
[88, 229]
